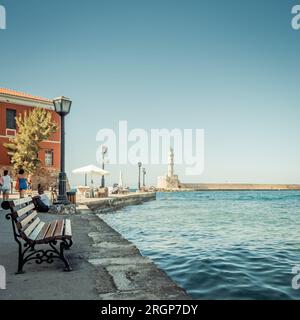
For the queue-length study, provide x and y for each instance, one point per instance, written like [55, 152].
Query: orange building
[12, 104]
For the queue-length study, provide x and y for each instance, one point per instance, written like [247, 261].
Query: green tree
[33, 128]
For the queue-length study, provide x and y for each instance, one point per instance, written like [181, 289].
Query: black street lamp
[139, 184]
[62, 106]
[104, 151]
[144, 175]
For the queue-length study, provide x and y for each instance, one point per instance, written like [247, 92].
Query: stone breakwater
[126, 274]
[129, 275]
[116, 202]
[234, 187]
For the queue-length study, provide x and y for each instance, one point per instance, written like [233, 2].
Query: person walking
[21, 185]
[29, 183]
[7, 185]
[1, 184]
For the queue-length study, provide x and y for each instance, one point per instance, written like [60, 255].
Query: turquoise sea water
[220, 245]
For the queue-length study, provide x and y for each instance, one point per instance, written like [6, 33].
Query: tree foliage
[33, 128]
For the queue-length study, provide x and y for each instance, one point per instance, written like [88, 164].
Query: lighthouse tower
[170, 181]
[171, 163]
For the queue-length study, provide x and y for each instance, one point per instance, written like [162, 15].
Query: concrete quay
[115, 202]
[105, 266]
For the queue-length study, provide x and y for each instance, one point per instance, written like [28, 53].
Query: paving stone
[165, 294]
[131, 295]
[135, 277]
[120, 261]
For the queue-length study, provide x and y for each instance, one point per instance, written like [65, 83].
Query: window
[11, 119]
[49, 158]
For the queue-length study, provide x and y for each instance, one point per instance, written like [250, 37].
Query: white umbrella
[92, 170]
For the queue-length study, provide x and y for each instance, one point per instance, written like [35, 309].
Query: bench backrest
[24, 215]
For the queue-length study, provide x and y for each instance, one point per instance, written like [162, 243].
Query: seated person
[42, 200]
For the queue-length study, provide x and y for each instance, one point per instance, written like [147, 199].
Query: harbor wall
[116, 202]
[237, 186]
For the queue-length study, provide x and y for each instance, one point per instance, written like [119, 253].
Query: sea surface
[220, 245]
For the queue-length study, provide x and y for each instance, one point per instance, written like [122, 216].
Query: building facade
[12, 104]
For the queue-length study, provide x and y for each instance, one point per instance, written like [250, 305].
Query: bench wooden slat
[18, 202]
[36, 231]
[23, 223]
[59, 229]
[43, 232]
[51, 230]
[24, 210]
[32, 226]
[68, 228]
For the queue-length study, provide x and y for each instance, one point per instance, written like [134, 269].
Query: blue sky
[228, 67]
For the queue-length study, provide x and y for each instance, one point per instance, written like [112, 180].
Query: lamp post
[62, 106]
[144, 175]
[139, 183]
[104, 151]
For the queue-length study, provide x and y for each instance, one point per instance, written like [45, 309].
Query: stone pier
[105, 266]
[116, 202]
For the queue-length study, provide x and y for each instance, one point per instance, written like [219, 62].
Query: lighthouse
[171, 163]
[170, 181]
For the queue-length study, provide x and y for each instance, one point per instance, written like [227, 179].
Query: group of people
[23, 184]
[6, 184]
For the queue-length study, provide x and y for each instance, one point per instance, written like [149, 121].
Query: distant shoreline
[185, 187]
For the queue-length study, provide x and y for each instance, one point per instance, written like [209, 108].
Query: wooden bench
[29, 232]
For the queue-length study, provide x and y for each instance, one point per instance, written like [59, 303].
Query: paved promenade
[105, 266]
